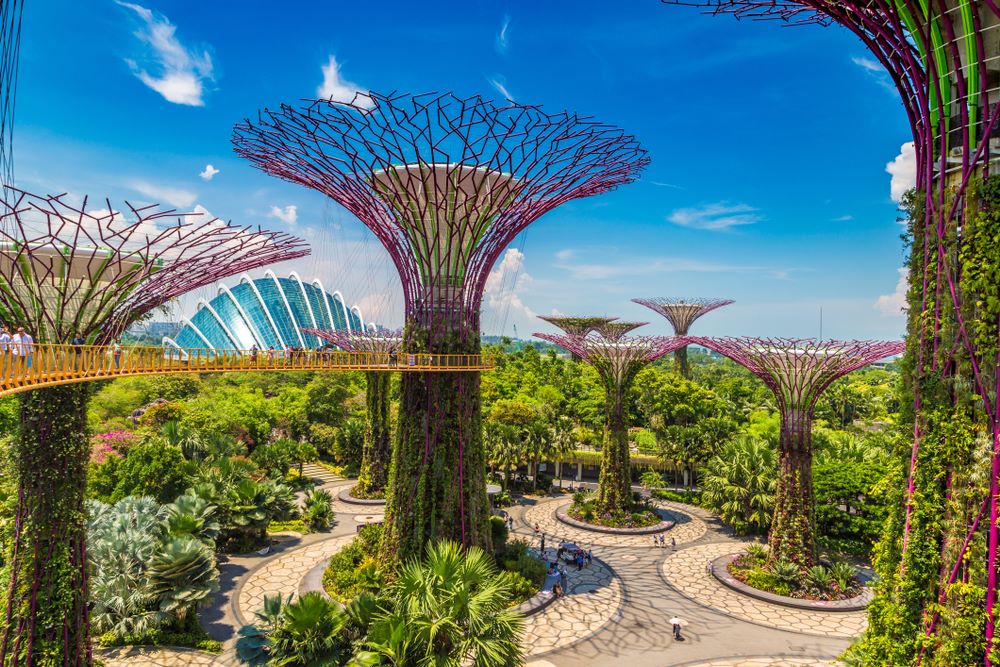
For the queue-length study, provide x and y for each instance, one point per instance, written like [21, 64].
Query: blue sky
[769, 145]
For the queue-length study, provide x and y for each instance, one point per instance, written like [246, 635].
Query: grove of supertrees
[377, 449]
[681, 313]
[934, 588]
[617, 358]
[445, 183]
[67, 270]
[576, 326]
[798, 371]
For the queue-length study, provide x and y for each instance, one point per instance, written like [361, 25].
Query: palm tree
[740, 483]
[504, 448]
[450, 609]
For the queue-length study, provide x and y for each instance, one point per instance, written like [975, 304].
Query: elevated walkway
[35, 366]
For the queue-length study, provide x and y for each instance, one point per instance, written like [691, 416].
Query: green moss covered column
[45, 615]
[681, 364]
[792, 536]
[614, 490]
[377, 448]
[437, 481]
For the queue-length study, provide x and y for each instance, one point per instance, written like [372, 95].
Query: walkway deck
[23, 368]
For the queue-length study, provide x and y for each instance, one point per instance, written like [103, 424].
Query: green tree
[740, 483]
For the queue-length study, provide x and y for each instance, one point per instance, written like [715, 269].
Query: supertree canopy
[942, 59]
[576, 326]
[614, 331]
[66, 270]
[798, 372]
[377, 450]
[445, 183]
[617, 362]
[681, 313]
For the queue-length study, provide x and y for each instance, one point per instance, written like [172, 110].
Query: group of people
[661, 541]
[17, 350]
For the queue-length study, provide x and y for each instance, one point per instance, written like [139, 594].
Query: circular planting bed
[720, 570]
[346, 496]
[564, 516]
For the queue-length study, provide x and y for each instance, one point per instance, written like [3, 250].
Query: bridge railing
[26, 366]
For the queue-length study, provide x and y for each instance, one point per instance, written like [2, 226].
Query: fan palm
[740, 483]
[450, 609]
[311, 632]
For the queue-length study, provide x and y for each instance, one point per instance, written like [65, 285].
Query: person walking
[5, 352]
[537, 529]
[676, 623]
[23, 347]
[656, 542]
[542, 548]
[563, 578]
[673, 543]
[116, 353]
[590, 557]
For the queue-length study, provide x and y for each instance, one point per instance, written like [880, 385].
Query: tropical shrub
[740, 483]
[318, 511]
[151, 469]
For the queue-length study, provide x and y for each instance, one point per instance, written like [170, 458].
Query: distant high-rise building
[266, 312]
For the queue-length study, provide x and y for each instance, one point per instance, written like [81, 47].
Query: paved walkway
[616, 612]
[687, 571]
[687, 529]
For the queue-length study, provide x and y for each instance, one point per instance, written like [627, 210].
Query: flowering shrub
[112, 443]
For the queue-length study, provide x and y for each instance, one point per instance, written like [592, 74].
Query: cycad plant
[182, 574]
[191, 516]
[740, 483]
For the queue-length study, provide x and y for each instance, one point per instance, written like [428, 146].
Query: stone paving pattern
[282, 575]
[687, 571]
[688, 529]
[594, 600]
[610, 617]
[766, 662]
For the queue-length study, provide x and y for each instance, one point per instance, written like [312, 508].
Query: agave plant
[785, 572]
[844, 574]
[757, 552]
[819, 578]
[182, 575]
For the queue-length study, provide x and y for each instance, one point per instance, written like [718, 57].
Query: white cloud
[874, 69]
[338, 89]
[209, 172]
[565, 255]
[893, 305]
[507, 282]
[499, 82]
[502, 43]
[716, 217]
[288, 215]
[645, 267]
[903, 170]
[164, 194]
[180, 71]
[844, 218]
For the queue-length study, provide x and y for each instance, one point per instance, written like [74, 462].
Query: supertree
[69, 270]
[798, 371]
[681, 313]
[445, 183]
[941, 57]
[614, 331]
[617, 362]
[377, 450]
[576, 326]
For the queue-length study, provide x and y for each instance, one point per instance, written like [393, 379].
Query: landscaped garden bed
[835, 586]
[355, 569]
[353, 496]
[583, 513]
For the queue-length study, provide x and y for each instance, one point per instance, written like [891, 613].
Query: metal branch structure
[942, 57]
[617, 362]
[797, 371]
[11, 12]
[376, 453]
[445, 183]
[576, 326]
[681, 312]
[76, 272]
[614, 331]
